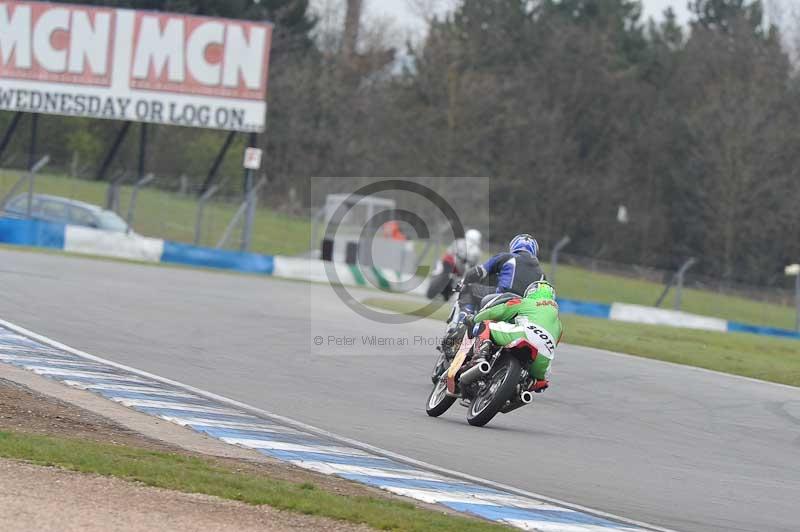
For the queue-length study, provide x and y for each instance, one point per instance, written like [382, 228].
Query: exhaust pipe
[474, 373]
[525, 398]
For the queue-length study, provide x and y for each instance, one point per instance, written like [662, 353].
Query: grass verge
[759, 357]
[196, 475]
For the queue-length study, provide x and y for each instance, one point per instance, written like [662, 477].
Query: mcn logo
[44, 43]
[165, 52]
[198, 55]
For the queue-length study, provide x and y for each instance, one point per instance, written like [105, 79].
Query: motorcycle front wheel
[439, 368]
[438, 400]
[501, 383]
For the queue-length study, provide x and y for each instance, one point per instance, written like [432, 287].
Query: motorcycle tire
[502, 383]
[439, 283]
[440, 367]
[438, 400]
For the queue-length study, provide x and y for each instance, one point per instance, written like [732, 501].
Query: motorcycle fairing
[458, 361]
[523, 343]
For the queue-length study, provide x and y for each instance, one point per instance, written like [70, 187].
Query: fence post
[31, 181]
[201, 207]
[249, 218]
[112, 193]
[134, 193]
[679, 281]
[36, 167]
[797, 301]
[561, 244]
[251, 198]
[794, 270]
[240, 211]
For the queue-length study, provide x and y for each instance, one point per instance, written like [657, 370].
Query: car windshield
[19, 204]
[111, 221]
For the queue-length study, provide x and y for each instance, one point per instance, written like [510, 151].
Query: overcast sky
[406, 23]
[404, 14]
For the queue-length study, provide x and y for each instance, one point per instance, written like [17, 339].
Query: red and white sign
[142, 66]
[252, 158]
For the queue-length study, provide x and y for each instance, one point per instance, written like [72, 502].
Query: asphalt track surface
[665, 444]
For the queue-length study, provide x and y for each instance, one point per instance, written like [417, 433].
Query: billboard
[142, 66]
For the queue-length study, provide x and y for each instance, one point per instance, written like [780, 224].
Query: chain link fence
[776, 295]
[177, 210]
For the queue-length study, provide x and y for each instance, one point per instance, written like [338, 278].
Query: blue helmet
[526, 243]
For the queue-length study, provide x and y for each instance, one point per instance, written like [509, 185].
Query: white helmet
[473, 237]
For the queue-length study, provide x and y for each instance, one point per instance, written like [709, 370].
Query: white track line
[273, 445]
[144, 390]
[330, 435]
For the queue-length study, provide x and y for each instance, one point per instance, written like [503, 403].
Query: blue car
[65, 211]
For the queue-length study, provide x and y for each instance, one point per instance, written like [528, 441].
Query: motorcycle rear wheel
[438, 400]
[502, 383]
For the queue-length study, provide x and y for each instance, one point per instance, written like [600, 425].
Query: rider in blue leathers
[510, 272]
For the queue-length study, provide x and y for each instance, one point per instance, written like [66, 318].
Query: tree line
[573, 108]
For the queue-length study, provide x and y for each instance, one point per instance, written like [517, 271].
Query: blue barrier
[217, 258]
[31, 233]
[765, 331]
[584, 308]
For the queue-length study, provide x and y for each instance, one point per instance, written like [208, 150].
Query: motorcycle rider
[461, 255]
[512, 272]
[467, 250]
[533, 317]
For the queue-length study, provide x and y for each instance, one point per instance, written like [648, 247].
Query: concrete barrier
[658, 316]
[110, 244]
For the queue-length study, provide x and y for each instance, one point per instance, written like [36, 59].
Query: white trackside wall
[657, 316]
[105, 243]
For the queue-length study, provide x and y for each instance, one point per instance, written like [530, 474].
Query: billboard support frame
[212, 172]
[112, 152]
[142, 150]
[33, 146]
[9, 132]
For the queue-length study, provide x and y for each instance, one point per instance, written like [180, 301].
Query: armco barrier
[176, 253]
[764, 331]
[584, 308]
[136, 247]
[31, 233]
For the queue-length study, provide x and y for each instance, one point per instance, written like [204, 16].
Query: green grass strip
[197, 475]
[759, 357]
